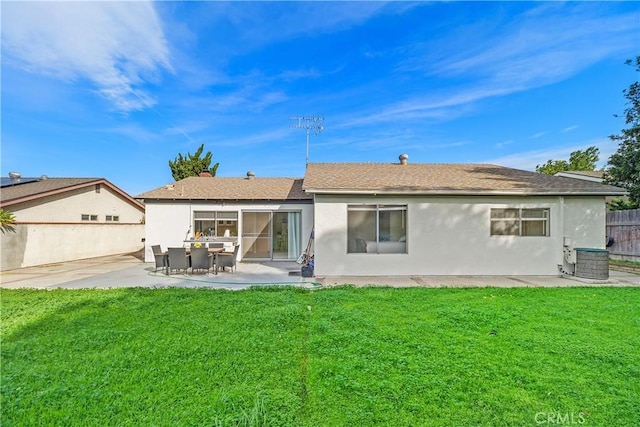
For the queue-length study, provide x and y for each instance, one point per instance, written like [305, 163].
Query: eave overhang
[478, 192]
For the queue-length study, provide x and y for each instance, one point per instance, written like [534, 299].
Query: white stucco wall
[168, 224]
[451, 236]
[585, 222]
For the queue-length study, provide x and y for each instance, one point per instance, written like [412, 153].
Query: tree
[7, 221]
[192, 164]
[623, 168]
[578, 161]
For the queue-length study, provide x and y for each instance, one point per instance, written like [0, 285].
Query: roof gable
[44, 187]
[445, 179]
[220, 188]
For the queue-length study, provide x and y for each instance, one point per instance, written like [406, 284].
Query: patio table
[213, 251]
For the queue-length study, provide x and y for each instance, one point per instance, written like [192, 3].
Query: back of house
[390, 219]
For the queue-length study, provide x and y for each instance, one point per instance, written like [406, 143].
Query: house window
[520, 222]
[377, 229]
[88, 217]
[112, 218]
[215, 223]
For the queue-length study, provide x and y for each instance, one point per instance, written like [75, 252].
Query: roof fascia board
[184, 199]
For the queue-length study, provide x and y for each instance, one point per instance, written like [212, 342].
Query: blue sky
[117, 89]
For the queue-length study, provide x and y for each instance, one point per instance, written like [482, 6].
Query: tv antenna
[310, 124]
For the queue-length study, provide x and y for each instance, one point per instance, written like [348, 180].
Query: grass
[337, 357]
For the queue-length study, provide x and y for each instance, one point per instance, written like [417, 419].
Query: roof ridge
[408, 164]
[242, 177]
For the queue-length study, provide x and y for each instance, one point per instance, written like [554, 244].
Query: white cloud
[267, 22]
[118, 46]
[439, 106]
[544, 45]
[530, 159]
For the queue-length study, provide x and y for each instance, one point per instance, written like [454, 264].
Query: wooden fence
[623, 233]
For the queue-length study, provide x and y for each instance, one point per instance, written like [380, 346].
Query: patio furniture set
[196, 258]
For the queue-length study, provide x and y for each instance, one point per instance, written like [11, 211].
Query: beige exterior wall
[70, 205]
[168, 224]
[38, 244]
[451, 236]
[50, 229]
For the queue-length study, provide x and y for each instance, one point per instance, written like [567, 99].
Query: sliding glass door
[271, 235]
[286, 235]
[256, 235]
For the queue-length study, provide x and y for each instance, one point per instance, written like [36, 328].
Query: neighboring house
[63, 219]
[594, 176]
[271, 218]
[384, 219]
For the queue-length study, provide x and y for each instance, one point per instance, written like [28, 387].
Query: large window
[519, 222]
[377, 229]
[215, 223]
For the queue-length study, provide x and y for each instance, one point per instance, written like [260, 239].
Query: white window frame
[219, 218]
[377, 208]
[519, 220]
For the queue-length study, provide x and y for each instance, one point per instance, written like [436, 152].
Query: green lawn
[337, 357]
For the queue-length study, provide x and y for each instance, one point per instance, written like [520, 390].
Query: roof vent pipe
[250, 175]
[404, 158]
[14, 175]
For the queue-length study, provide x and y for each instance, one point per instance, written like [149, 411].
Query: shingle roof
[219, 188]
[32, 189]
[420, 178]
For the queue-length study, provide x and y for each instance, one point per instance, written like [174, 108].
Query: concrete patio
[128, 270]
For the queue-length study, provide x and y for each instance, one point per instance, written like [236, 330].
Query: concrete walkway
[127, 270]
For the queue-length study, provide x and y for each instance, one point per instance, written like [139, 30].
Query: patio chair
[161, 258]
[178, 260]
[201, 259]
[227, 259]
